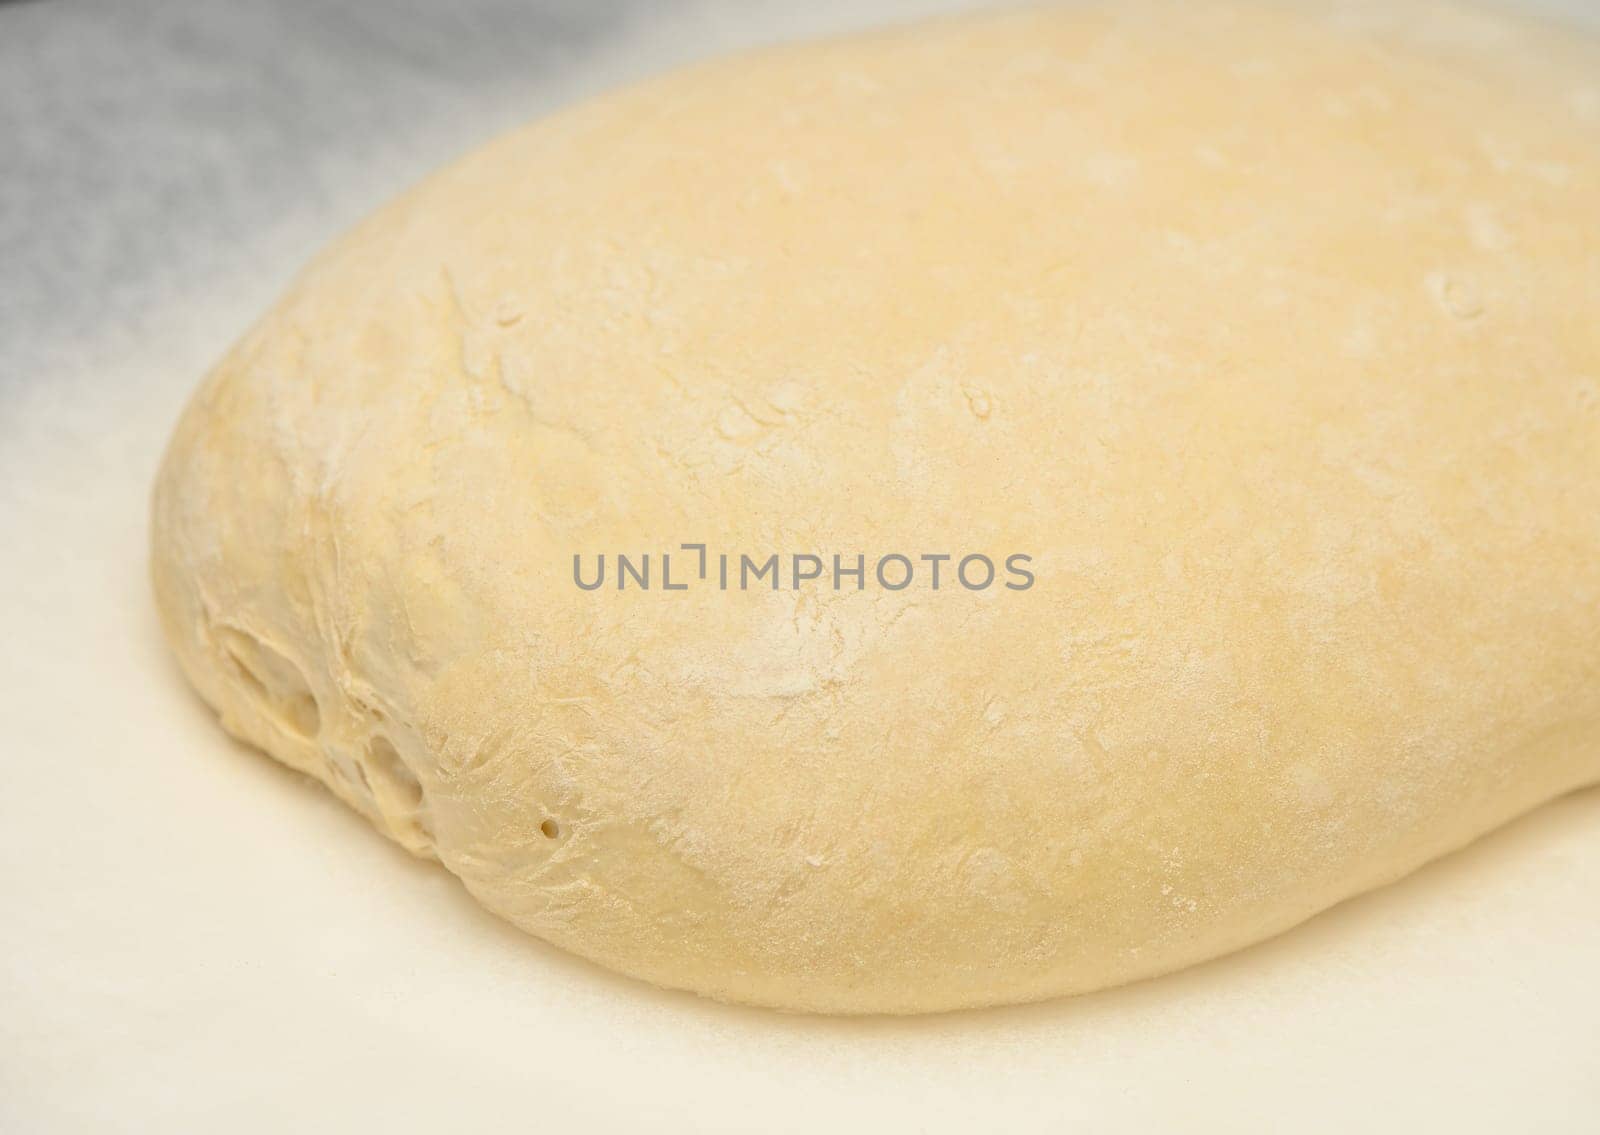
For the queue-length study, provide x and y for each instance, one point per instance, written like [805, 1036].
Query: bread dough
[1272, 338]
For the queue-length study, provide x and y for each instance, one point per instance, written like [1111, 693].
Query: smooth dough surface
[1273, 338]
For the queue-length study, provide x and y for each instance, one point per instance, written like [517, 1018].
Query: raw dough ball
[1273, 339]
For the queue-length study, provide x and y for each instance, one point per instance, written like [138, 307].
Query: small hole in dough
[551, 829]
[396, 785]
[303, 716]
[274, 682]
[253, 683]
[350, 772]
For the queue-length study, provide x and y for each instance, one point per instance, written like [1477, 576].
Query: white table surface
[195, 939]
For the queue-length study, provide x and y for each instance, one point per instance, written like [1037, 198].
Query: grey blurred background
[143, 141]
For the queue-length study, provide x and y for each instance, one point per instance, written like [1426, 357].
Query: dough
[1270, 339]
